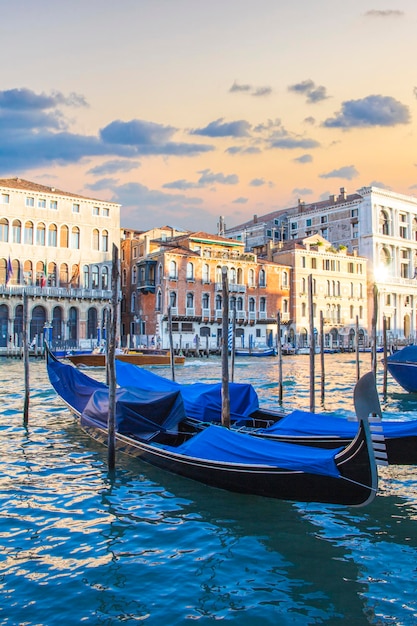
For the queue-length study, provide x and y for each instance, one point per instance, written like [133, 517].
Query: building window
[42, 203]
[383, 223]
[94, 277]
[75, 208]
[173, 270]
[206, 273]
[294, 225]
[173, 299]
[105, 241]
[75, 238]
[105, 212]
[190, 271]
[64, 236]
[262, 278]
[313, 263]
[30, 202]
[17, 231]
[4, 229]
[96, 239]
[86, 277]
[5, 198]
[308, 222]
[40, 234]
[96, 210]
[251, 278]
[323, 219]
[190, 300]
[53, 236]
[53, 204]
[206, 301]
[262, 304]
[285, 279]
[29, 233]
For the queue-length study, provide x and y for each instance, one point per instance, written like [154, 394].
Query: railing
[56, 292]
[240, 316]
[190, 312]
[206, 312]
[233, 287]
[262, 315]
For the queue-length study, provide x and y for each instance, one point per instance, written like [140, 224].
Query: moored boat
[203, 402]
[98, 359]
[153, 426]
[402, 365]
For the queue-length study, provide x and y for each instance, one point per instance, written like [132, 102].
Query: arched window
[63, 237]
[63, 275]
[40, 234]
[252, 305]
[285, 279]
[133, 303]
[4, 229]
[28, 273]
[29, 233]
[239, 276]
[172, 270]
[190, 271]
[232, 276]
[251, 278]
[17, 231]
[206, 273]
[285, 306]
[351, 311]
[218, 274]
[104, 277]
[205, 302]
[96, 239]
[239, 304]
[124, 278]
[383, 223]
[328, 288]
[159, 300]
[105, 241]
[92, 323]
[135, 275]
[218, 302]
[262, 278]
[86, 277]
[4, 325]
[173, 299]
[159, 274]
[190, 300]
[95, 277]
[262, 304]
[75, 238]
[51, 275]
[52, 236]
[351, 290]
[232, 303]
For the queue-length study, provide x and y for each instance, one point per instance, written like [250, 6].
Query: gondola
[402, 365]
[153, 426]
[203, 402]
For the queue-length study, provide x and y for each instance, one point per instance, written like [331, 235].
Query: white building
[57, 247]
[376, 223]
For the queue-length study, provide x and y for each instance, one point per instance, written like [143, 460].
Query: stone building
[56, 247]
[376, 223]
[339, 292]
[183, 272]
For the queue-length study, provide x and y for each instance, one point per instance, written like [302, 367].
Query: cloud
[145, 208]
[26, 99]
[387, 13]
[110, 167]
[257, 182]
[373, 110]
[218, 128]
[240, 150]
[240, 201]
[291, 143]
[34, 133]
[347, 172]
[309, 89]
[258, 92]
[303, 191]
[207, 178]
[305, 158]
[310, 120]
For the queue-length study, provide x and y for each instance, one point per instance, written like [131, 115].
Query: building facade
[183, 275]
[377, 224]
[338, 290]
[57, 248]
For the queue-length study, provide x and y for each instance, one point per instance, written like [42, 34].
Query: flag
[9, 270]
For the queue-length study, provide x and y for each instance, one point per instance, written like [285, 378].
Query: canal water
[77, 547]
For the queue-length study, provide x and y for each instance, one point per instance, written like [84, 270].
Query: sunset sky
[184, 110]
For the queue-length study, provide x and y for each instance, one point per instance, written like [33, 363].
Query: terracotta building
[183, 272]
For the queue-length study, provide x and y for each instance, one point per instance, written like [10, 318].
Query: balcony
[205, 313]
[190, 312]
[56, 292]
[233, 288]
[240, 316]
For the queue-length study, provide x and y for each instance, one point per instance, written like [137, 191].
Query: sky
[183, 111]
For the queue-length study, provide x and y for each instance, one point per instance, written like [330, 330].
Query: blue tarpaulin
[201, 400]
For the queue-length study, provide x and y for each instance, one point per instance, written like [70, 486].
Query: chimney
[332, 198]
[255, 219]
[343, 194]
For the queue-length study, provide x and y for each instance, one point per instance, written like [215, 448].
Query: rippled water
[78, 546]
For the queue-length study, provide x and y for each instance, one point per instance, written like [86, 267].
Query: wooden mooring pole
[385, 378]
[225, 351]
[111, 439]
[312, 342]
[171, 343]
[322, 372]
[25, 358]
[358, 373]
[279, 350]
